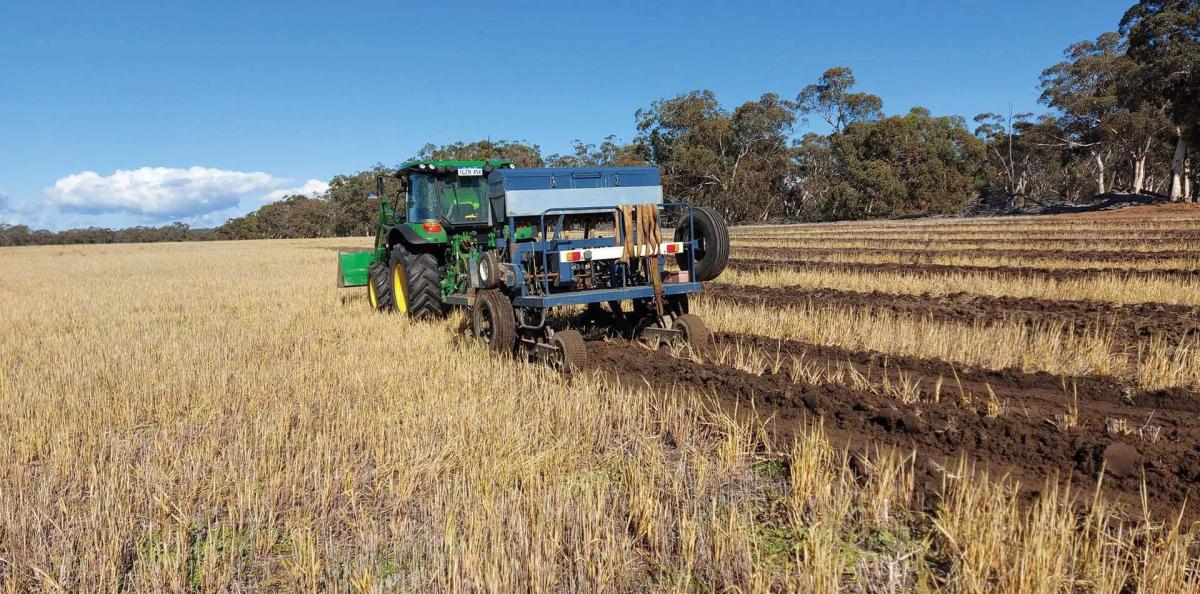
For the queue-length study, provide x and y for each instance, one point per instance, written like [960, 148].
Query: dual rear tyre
[408, 284]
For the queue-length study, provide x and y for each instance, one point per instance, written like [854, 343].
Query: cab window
[464, 199]
[423, 199]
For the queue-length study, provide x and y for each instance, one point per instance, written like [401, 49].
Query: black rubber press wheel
[572, 352]
[695, 331]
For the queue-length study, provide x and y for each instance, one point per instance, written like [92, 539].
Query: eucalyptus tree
[1164, 39]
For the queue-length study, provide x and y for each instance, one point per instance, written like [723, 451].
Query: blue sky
[120, 113]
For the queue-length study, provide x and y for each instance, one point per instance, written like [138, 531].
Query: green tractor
[510, 244]
[407, 270]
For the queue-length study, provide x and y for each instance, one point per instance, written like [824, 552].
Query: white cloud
[311, 188]
[158, 192]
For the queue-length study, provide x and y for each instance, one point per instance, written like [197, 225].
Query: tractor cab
[450, 192]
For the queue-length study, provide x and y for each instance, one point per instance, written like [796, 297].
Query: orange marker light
[574, 256]
[432, 227]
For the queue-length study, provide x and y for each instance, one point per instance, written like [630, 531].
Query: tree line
[1123, 115]
[13, 235]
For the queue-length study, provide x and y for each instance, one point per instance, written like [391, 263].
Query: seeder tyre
[488, 270]
[492, 321]
[712, 237]
[695, 331]
[572, 351]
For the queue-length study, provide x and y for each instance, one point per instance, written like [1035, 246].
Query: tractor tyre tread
[380, 280]
[424, 290]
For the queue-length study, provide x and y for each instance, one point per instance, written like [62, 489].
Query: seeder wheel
[492, 321]
[675, 326]
[571, 357]
[693, 331]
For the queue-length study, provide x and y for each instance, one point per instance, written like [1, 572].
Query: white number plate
[470, 171]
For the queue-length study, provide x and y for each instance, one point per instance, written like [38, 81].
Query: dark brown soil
[926, 256]
[1128, 323]
[933, 242]
[916, 268]
[1021, 442]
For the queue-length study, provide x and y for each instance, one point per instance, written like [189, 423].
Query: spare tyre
[712, 237]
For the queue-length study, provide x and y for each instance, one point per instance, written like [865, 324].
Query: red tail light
[574, 256]
[432, 227]
[672, 248]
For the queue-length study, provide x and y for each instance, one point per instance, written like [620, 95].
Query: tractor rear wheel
[695, 331]
[379, 287]
[492, 321]
[712, 237]
[572, 352]
[415, 284]
[397, 279]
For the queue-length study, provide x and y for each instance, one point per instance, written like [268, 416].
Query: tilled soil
[1128, 323]
[1064, 236]
[919, 255]
[1160, 436]
[750, 264]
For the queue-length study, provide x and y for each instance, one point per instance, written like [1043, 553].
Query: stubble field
[975, 405]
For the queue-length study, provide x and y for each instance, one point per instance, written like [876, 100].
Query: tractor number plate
[470, 171]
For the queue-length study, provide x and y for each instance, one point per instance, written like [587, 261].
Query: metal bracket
[507, 275]
[541, 350]
[521, 319]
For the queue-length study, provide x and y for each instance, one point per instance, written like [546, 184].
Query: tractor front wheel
[492, 321]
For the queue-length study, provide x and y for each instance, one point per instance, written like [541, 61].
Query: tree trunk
[1177, 167]
[1139, 174]
[1099, 173]
[1187, 181]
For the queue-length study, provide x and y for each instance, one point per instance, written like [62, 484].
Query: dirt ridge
[921, 255]
[750, 264]
[1021, 441]
[1130, 323]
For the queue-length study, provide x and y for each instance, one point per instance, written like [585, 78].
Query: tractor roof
[420, 165]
